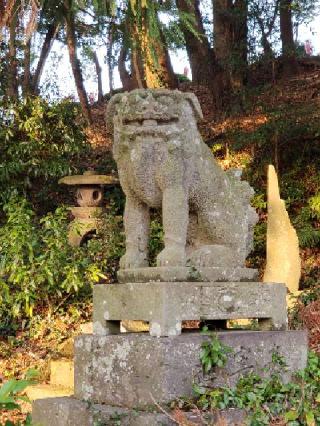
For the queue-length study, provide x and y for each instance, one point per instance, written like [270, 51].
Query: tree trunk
[230, 40]
[239, 47]
[200, 54]
[159, 74]
[26, 76]
[222, 33]
[12, 90]
[98, 71]
[137, 69]
[75, 63]
[109, 55]
[290, 63]
[222, 10]
[150, 60]
[2, 9]
[125, 77]
[45, 50]
[267, 49]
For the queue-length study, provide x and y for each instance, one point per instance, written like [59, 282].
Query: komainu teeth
[149, 122]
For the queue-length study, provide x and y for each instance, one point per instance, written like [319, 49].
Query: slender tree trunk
[287, 39]
[109, 54]
[230, 40]
[7, 9]
[12, 90]
[45, 51]
[125, 77]
[239, 43]
[75, 63]
[200, 54]
[267, 49]
[222, 10]
[137, 69]
[98, 71]
[26, 76]
[222, 32]
[2, 9]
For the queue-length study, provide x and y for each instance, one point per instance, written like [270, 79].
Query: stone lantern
[89, 197]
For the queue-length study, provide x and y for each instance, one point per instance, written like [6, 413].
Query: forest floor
[33, 346]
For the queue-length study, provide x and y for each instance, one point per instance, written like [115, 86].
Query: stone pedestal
[166, 304]
[121, 376]
[134, 370]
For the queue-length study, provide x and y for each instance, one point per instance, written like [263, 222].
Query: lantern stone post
[90, 200]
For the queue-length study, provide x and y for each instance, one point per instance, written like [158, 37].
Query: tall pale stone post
[283, 259]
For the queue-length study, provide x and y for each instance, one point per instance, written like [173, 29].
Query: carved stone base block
[72, 412]
[134, 370]
[166, 304]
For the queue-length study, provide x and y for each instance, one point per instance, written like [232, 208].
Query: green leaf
[291, 415]
[310, 419]
[198, 390]
[7, 388]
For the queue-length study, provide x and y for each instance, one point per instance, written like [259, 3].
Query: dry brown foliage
[310, 317]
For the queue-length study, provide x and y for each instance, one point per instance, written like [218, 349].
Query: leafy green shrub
[213, 352]
[10, 394]
[106, 248]
[308, 234]
[314, 204]
[37, 265]
[156, 242]
[37, 142]
[267, 399]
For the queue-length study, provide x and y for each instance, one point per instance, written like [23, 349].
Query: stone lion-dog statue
[164, 164]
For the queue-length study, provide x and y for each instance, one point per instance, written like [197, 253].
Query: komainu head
[153, 112]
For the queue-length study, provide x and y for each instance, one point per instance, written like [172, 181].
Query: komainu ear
[193, 100]
[111, 110]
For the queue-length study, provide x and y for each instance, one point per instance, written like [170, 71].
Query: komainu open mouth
[149, 122]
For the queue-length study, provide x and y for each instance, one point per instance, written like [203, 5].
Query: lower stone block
[72, 412]
[134, 370]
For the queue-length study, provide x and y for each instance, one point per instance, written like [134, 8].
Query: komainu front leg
[175, 212]
[136, 223]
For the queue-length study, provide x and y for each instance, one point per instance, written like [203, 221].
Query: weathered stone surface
[163, 163]
[86, 328]
[89, 196]
[79, 229]
[60, 412]
[62, 373]
[183, 274]
[283, 259]
[86, 212]
[89, 179]
[166, 304]
[79, 413]
[130, 370]
[45, 390]
[86, 220]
